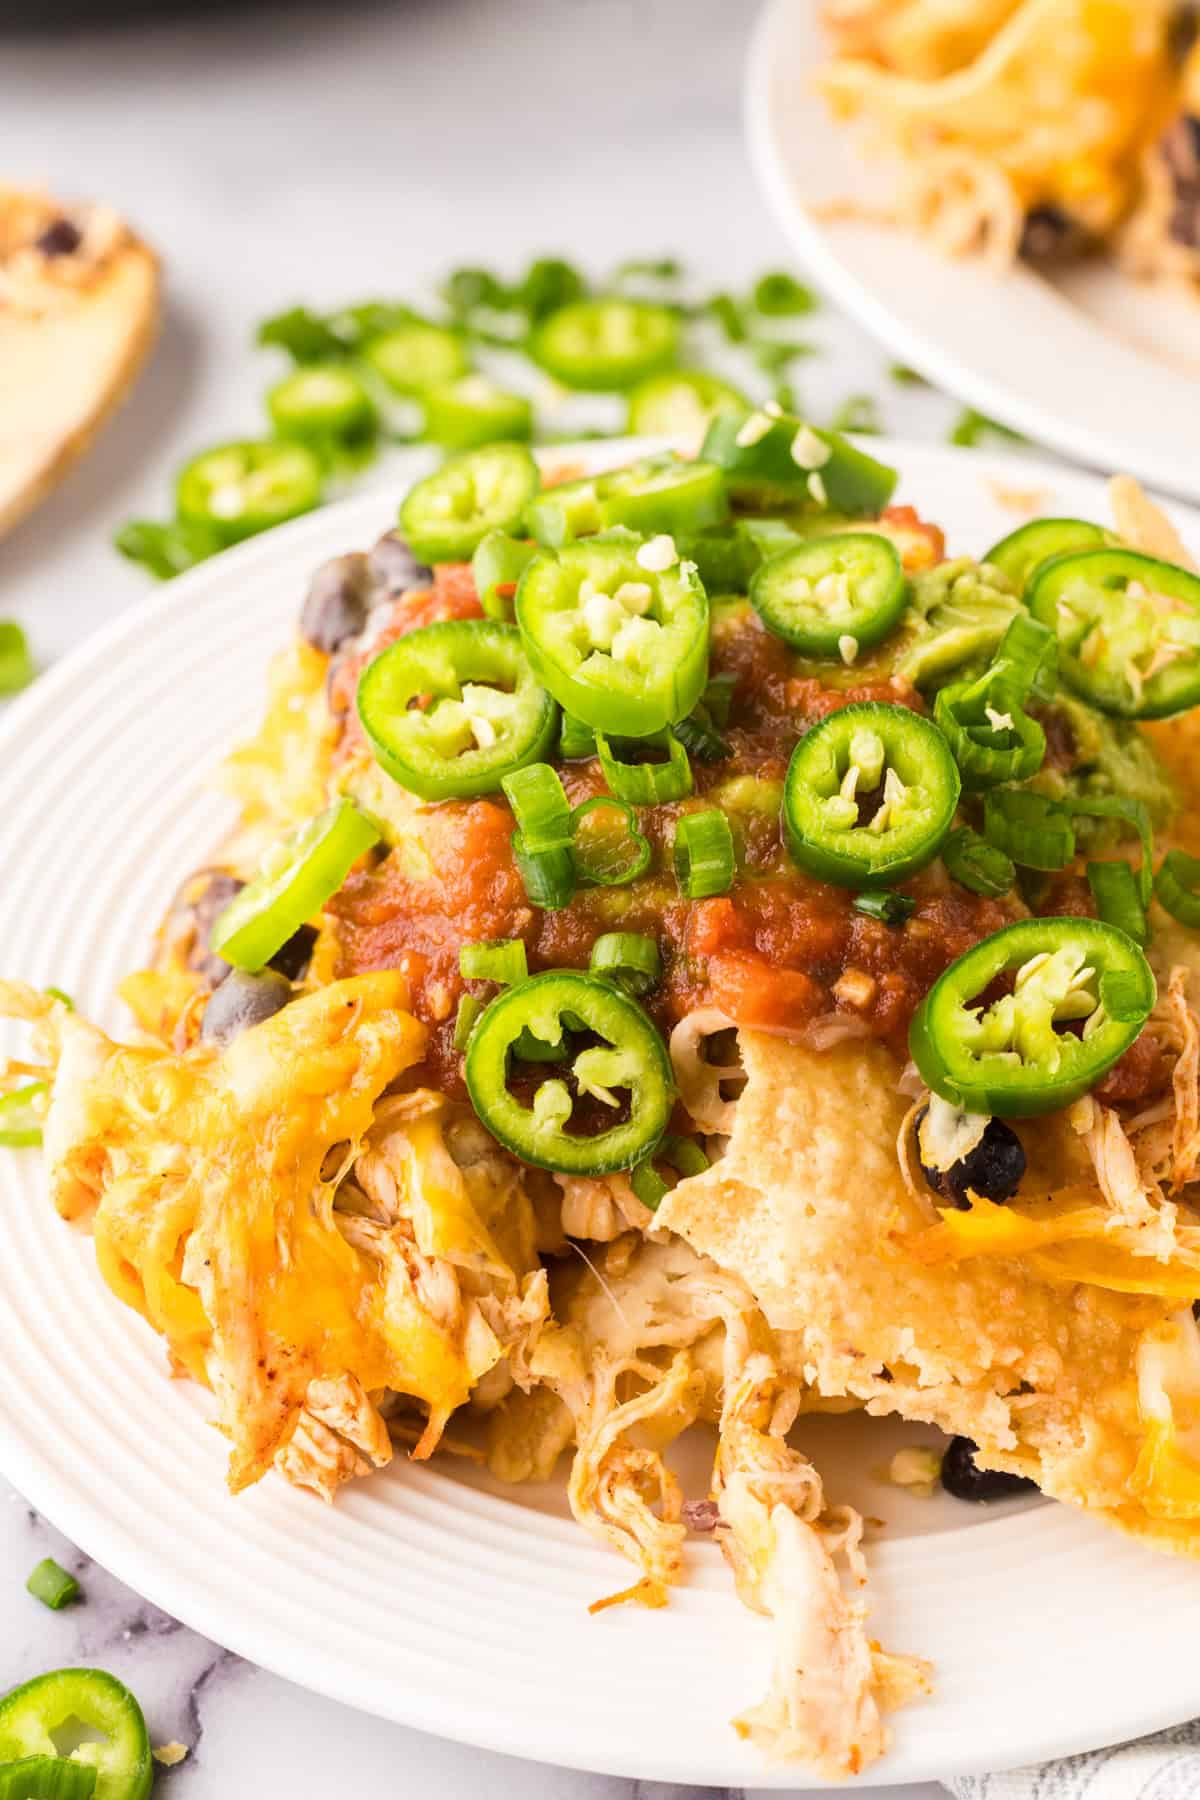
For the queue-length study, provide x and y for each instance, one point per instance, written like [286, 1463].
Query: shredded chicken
[1177, 1016]
[825, 1699]
[1135, 1202]
[338, 1435]
[208, 1179]
[600, 1207]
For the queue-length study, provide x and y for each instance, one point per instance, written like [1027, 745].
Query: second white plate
[1097, 366]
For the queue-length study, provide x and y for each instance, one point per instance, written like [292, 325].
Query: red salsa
[780, 951]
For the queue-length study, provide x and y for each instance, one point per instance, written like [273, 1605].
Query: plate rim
[95, 1526]
[910, 345]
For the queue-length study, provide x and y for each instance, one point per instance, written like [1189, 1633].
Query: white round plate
[1097, 366]
[428, 1594]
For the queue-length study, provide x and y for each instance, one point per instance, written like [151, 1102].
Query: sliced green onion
[1033, 831]
[576, 740]
[705, 862]
[728, 314]
[1027, 657]
[1177, 887]
[718, 697]
[610, 851]
[53, 1585]
[992, 738]
[682, 1154]
[1132, 812]
[700, 737]
[648, 784]
[891, 909]
[972, 427]
[648, 1185]
[628, 957]
[540, 807]
[903, 376]
[778, 295]
[47, 1778]
[1118, 899]
[549, 875]
[57, 993]
[16, 662]
[975, 864]
[20, 1120]
[466, 1019]
[501, 960]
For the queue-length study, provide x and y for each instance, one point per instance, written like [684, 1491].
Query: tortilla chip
[809, 1207]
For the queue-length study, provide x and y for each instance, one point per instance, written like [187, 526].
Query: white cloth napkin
[1163, 1767]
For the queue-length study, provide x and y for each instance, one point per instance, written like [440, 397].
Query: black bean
[1180, 147]
[199, 914]
[993, 1169]
[1183, 226]
[336, 605]
[243, 1000]
[1050, 235]
[292, 959]
[393, 568]
[962, 1476]
[335, 700]
[60, 239]
[1183, 28]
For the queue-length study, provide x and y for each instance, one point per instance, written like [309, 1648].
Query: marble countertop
[319, 154]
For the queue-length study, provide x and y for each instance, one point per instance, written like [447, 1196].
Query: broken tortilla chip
[808, 1206]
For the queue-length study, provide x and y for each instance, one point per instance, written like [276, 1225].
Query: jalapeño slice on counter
[239, 489]
[324, 402]
[445, 516]
[681, 404]
[298, 875]
[119, 1756]
[658, 494]
[1081, 992]
[1024, 551]
[603, 345]
[454, 707]
[1128, 629]
[621, 646]
[46, 1778]
[416, 356]
[773, 459]
[832, 596]
[870, 794]
[475, 410]
[625, 1077]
